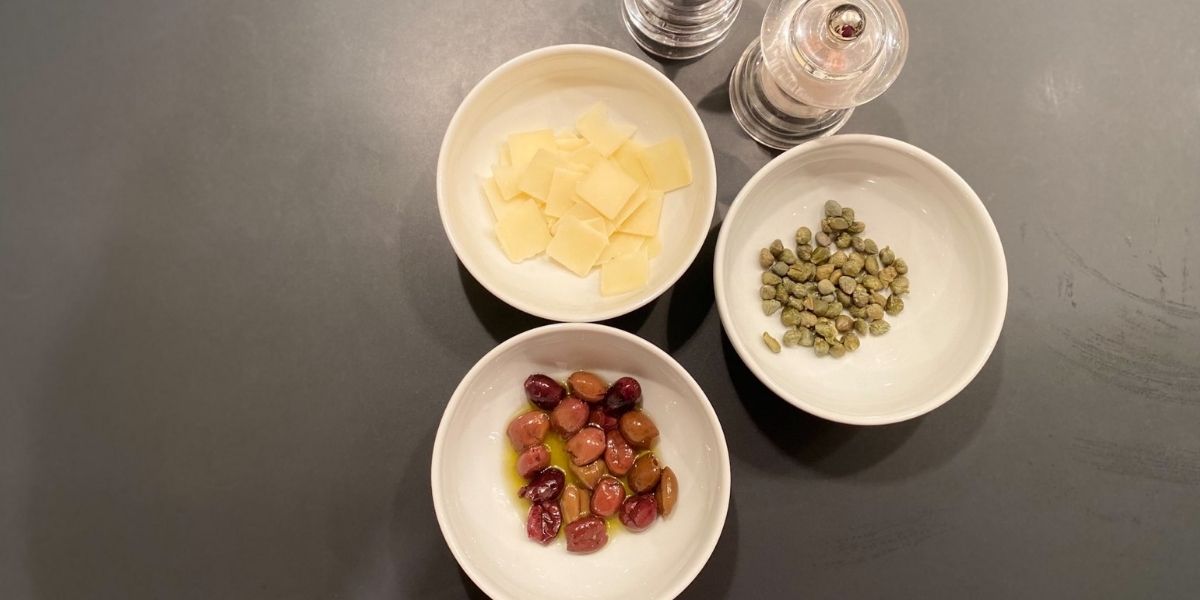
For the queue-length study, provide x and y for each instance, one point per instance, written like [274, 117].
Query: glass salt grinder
[814, 62]
[679, 29]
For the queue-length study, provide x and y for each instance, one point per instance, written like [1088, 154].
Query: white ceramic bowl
[484, 522]
[550, 88]
[930, 217]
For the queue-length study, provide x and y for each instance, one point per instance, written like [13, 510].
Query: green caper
[900, 285]
[843, 323]
[874, 312]
[821, 347]
[894, 305]
[860, 326]
[791, 338]
[879, 327]
[795, 273]
[823, 239]
[838, 224]
[834, 309]
[843, 298]
[807, 319]
[843, 240]
[776, 248]
[825, 228]
[835, 275]
[807, 337]
[810, 302]
[771, 279]
[781, 293]
[858, 312]
[795, 303]
[872, 283]
[804, 252]
[888, 274]
[770, 306]
[819, 306]
[787, 257]
[851, 342]
[765, 259]
[848, 214]
[901, 266]
[832, 208]
[790, 317]
[826, 330]
[861, 297]
[854, 265]
[798, 290]
[803, 236]
[860, 277]
[820, 255]
[825, 286]
[878, 298]
[848, 284]
[872, 265]
[829, 298]
[779, 268]
[858, 243]
[771, 342]
[836, 350]
[887, 256]
[767, 292]
[870, 247]
[824, 271]
[838, 258]
[857, 227]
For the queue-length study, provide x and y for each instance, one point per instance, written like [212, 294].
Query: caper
[878, 298]
[843, 298]
[870, 247]
[787, 257]
[803, 236]
[820, 255]
[776, 248]
[825, 228]
[781, 293]
[807, 337]
[843, 240]
[771, 342]
[851, 342]
[872, 265]
[804, 253]
[826, 330]
[810, 302]
[835, 309]
[795, 273]
[795, 303]
[779, 268]
[770, 306]
[823, 271]
[848, 214]
[900, 285]
[823, 239]
[861, 297]
[791, 338]
[836, 350]
[821, 347]
[887, 256]
[807, 319]
[798, 289]
[843, 323]
[771, 279]
[880, 327]
[854, 266]
[838, 224]
[767, 292]
[790, 317]
[860, 277]
[901, 266]
[858, 243]
[825, 286]
[832, 208]
[765, 259]
[894, 305]
[888, 274]
[858, 312]
[819, 306]
[835, 275]
[872, 283]
[838, 258]
[860, 327]
[857, 227]
[874, 312]
[847, 284]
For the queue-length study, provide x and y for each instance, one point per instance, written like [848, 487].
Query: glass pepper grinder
[813, 63]
[679, 29]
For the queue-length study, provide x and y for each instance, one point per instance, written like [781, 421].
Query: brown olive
[545, 519]
[586, 446]
[618, 454]
[588, 386]
[528, 429]
[602, 419]
[668, 492]
[588, 534]
[576, 503]
[638, 512]
[569, 416]
[589, 474]
[638, 429]
[643, 477]
[532, 460]
[608, 496]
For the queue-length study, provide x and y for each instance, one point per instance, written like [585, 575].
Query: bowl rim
[995, 254]
[634, 302]
[435, 480]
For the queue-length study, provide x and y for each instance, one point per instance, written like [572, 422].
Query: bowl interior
[483, 520]
[919, 207]
[551, 88]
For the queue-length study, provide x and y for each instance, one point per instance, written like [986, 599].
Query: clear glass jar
[679, 29]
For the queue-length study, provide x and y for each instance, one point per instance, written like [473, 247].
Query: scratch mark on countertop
[871, 541]
[1146, 461]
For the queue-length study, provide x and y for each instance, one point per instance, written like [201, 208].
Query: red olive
[544, 392]
[586, 446]
[618, 454]
[638, 512]
[532, 460]
[600, 418]
[528, 429]
[624, 394]
[569, 416]
[546, 486]
[544, 521]
[607, 497]
[588, 534]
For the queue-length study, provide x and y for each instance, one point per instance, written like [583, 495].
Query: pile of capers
[834, 288]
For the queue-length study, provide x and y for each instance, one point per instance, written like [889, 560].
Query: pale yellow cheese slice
[628, 156]
[523, 146]
[624, 274]
[599, 224]
[535, 179]
[522, 231]
[620, 244]
[570, 144]
[505, 157]
[576, 246]
[562, 191]
[667, 165]
[506, 180]
[607, 188]
[644, 220]
[582, 211]
[654, 247]
[634, 203]
[585, 156]
[605, 135]
[495, 199]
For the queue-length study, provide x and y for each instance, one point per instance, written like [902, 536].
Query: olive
[569, 416]
[643, 477]
[528, 429]
[588, 386]
[532, 460]
[623, 395]
[638, 512]
[668, 491]
[638, 429]
[545, 486]
[588, 534]
[544, 392]
[589, 474]
[586, 446]
[576, 503]
[602, 419]
[545, 519]
[618, 454]
[607, 497]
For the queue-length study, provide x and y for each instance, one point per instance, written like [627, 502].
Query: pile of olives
[607, 437]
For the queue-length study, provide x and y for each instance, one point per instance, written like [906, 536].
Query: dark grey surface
[229, 318]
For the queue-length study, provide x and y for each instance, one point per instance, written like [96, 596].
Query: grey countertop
[229, 318]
